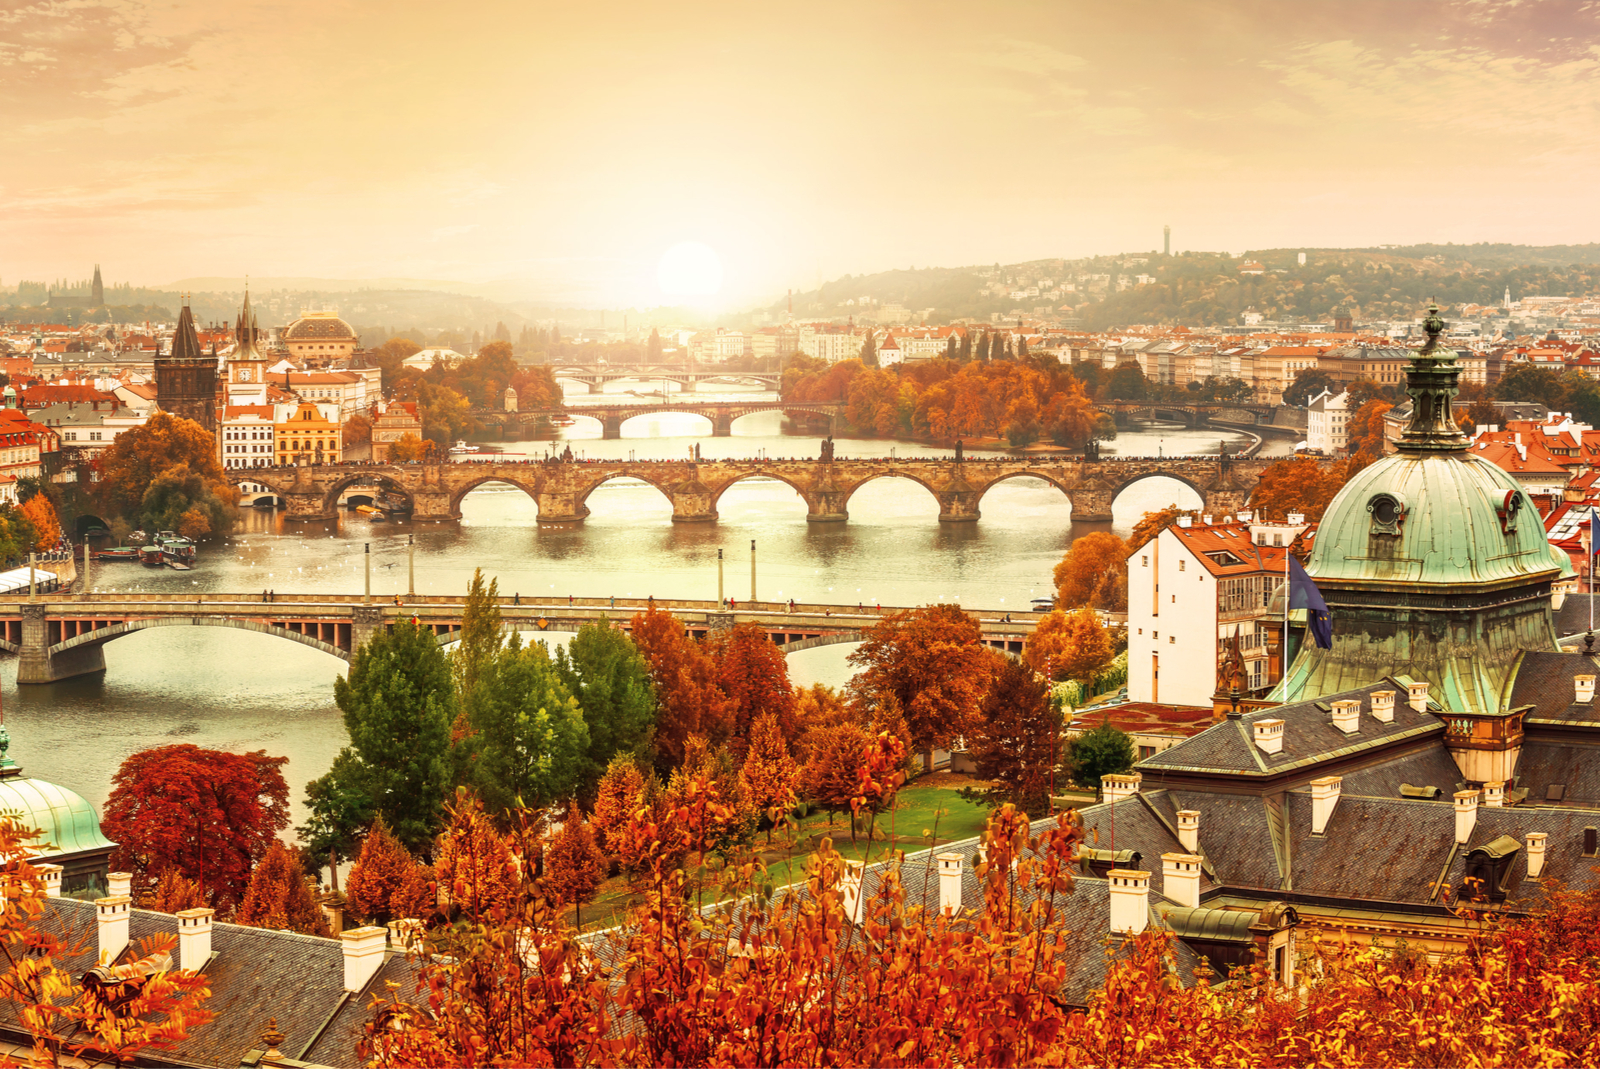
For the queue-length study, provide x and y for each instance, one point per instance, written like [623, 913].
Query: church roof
[319, 326]
[185, 342]
[68, 822]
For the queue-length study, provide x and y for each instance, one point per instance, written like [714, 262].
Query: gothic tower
[97, 294]
[186, 378]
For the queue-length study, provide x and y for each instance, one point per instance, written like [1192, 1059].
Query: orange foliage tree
[1069, 645]
[931, 663]
[174, 893]
[42, 515]
[768, 775]
[1299, 484]
[1153, 523]
[139, 454]
[1016, 741]
[690, 699]
[1364, 432]
[617, 796]
[68, 1020]
[1090, 573]
[754, 674]
[474, 863]
[279, 896]
[375, 878]
[829, 775]
[815, 707]
[573, 864]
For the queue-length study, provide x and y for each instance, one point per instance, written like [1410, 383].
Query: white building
[422, 359]
[1326, 419]
[1189, 590]
[827, 342]
[890, 352]
[244, 436]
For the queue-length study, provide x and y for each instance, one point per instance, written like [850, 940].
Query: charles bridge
[688, 376]
[60, 636]
[1224, 484]
[721, 413]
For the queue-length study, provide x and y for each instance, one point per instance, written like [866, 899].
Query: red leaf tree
[689, 695]
[753, 672]
[208, 814]
[932, 663]
[376, 877]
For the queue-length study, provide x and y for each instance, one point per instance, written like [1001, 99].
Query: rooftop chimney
[1269, 735]
[363, 955]
[1130, 900]
[1184, 521]
[194, 938]
[1115, 788]
[1383, 706]
[51, 877]
[1494, 795]
[1206, 519]
[1466, 814]
[1584, 685]
[112, 914]
[855, 904]
[1536, 853]
[403, 932]
[1297, 517]
[1417, 696]
[119, 884]
[1180, 878]
[950, 884]
[1245, 515]
[1189, 830]
[1347, 716]
[1324, 796]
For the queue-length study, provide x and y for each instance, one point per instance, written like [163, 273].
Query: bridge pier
[721, 425]
[365, 621]
[1090, 506]
[35, 664]
[433, 505]
[958, 506]
[610, 428]
[561, 508]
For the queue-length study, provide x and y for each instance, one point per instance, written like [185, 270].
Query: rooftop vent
[1269, 736]
[1347, 716]
[1536, 843]
[1189, 830]
[1383, 706]
[1130, 901]
[1466, 814]
[1430, 794]
[1417, 696]
[1584, 688]
[1324, 797]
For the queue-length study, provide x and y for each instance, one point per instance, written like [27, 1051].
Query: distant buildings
[1327, 420]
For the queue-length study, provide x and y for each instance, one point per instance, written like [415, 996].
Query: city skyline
[569, 151]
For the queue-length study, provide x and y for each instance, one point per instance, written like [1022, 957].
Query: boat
[461, 447]
[369, 510]
[393, 503]
[125, 553]
[179, 566]
[174, 547]
[562, 421]
[150, 556]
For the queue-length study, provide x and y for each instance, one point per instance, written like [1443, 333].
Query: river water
[236, 690]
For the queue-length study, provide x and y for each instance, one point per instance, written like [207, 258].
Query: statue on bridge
[566, 455]
[1091, 449]
[958, 451]
[827, 450]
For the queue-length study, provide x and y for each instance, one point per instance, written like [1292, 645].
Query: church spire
[185, 342]
[1431, 385]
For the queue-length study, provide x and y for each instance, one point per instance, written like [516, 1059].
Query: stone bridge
[59, 636]
[1190, 414]
[721, 413]
[694, 487]
[688, 376]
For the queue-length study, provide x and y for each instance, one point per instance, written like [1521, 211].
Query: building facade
[306, 432]
[186, 378]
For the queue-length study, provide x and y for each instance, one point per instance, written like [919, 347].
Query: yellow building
[308, 433]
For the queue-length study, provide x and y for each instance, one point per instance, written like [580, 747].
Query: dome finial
[1433, 325]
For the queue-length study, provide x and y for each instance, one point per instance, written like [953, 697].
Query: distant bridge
[59, 636]
[695, 487]
[1190, 414]
[688, 376]
[721, 413]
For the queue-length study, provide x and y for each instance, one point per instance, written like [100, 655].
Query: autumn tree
[1069, 645]
[208, 815]
[768, 775]
[528, 742]
[1364, 433]
[1299, 484]
[616, 796]
[1153, 523]
[1104, 750]
[933, 665]
[710, 766]
[181, 499]
[476, 868]
[42, 514]
[573, 864]
[816, 707]
[131, 464]
[1015, 741]
[830, 777]
[174, 893]
[398, 701]
[754, 673]
[605, 671]
[279, 895]
[689, 698]
[377, 875]
[1091, 568]
[409, 448]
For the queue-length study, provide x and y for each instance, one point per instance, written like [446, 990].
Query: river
[235, 690]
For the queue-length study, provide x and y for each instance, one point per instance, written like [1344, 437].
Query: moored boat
[150, 556]
[124, 553]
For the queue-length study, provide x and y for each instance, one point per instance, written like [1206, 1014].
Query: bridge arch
[336, 489]
[612, 476]
[466, 488]
[716, 497]
[1122, 488]
[892, 474]
[1042, 476]
[118, 630]
[670, 410]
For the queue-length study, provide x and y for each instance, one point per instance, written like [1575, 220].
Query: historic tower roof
[1433, 562]
[185, 342]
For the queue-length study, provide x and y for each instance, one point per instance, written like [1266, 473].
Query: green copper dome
[1431, 518]
[66, 819]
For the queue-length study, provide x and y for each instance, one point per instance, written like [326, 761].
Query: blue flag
[1594, 531]
[1303, 594]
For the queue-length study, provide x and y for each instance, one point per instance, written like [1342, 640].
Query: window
[1181, 563]
[1172, 640]
[1144, 562]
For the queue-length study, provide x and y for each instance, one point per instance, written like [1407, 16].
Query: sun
[690, 269]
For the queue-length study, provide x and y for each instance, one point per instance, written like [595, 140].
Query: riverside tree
[689, 699]
[279, 896]
[1072, 645]
[603, 669]
[528, 741]
[207, 815]
[930, 663]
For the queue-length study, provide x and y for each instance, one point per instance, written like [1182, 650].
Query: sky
[566, 146]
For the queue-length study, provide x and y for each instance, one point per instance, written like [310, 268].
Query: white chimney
[1206, 519]
[112, 914]
[1297, 518]
[1115, 788]
[1584, 685]
[403, 933]
[1466, 814]
[363, 955]
[194, 938]
[1536, 853]
[855, 904]
[950, 884]
[1494, 795]
[1130, 900]
[1383, 706]
[1269, 735]
[1347, 716]
[1418, 696]
[1180, 878]
[119, 884]
[1189, 830]
[1324, 796]
[1184, 521]
[1245, 515]
[51, 876]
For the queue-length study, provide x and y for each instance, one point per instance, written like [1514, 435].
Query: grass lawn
[926, 813]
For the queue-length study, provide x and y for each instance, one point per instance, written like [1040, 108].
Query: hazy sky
[571, 143]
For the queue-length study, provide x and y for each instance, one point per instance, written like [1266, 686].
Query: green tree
[528, 740]
[1101, 751]
[341, 810]
[398, 702]
[1528, 383]
[177, 492]
[1309, 383]
[869, 351]
[1126, 383]
[481, 637]
[605, 671]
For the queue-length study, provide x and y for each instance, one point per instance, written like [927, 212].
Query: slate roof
[1544, 680]
[255, 974]
[1309, 737]
[1575, 766]
[1431, 766]
[1236, 836]
[1573, 616]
